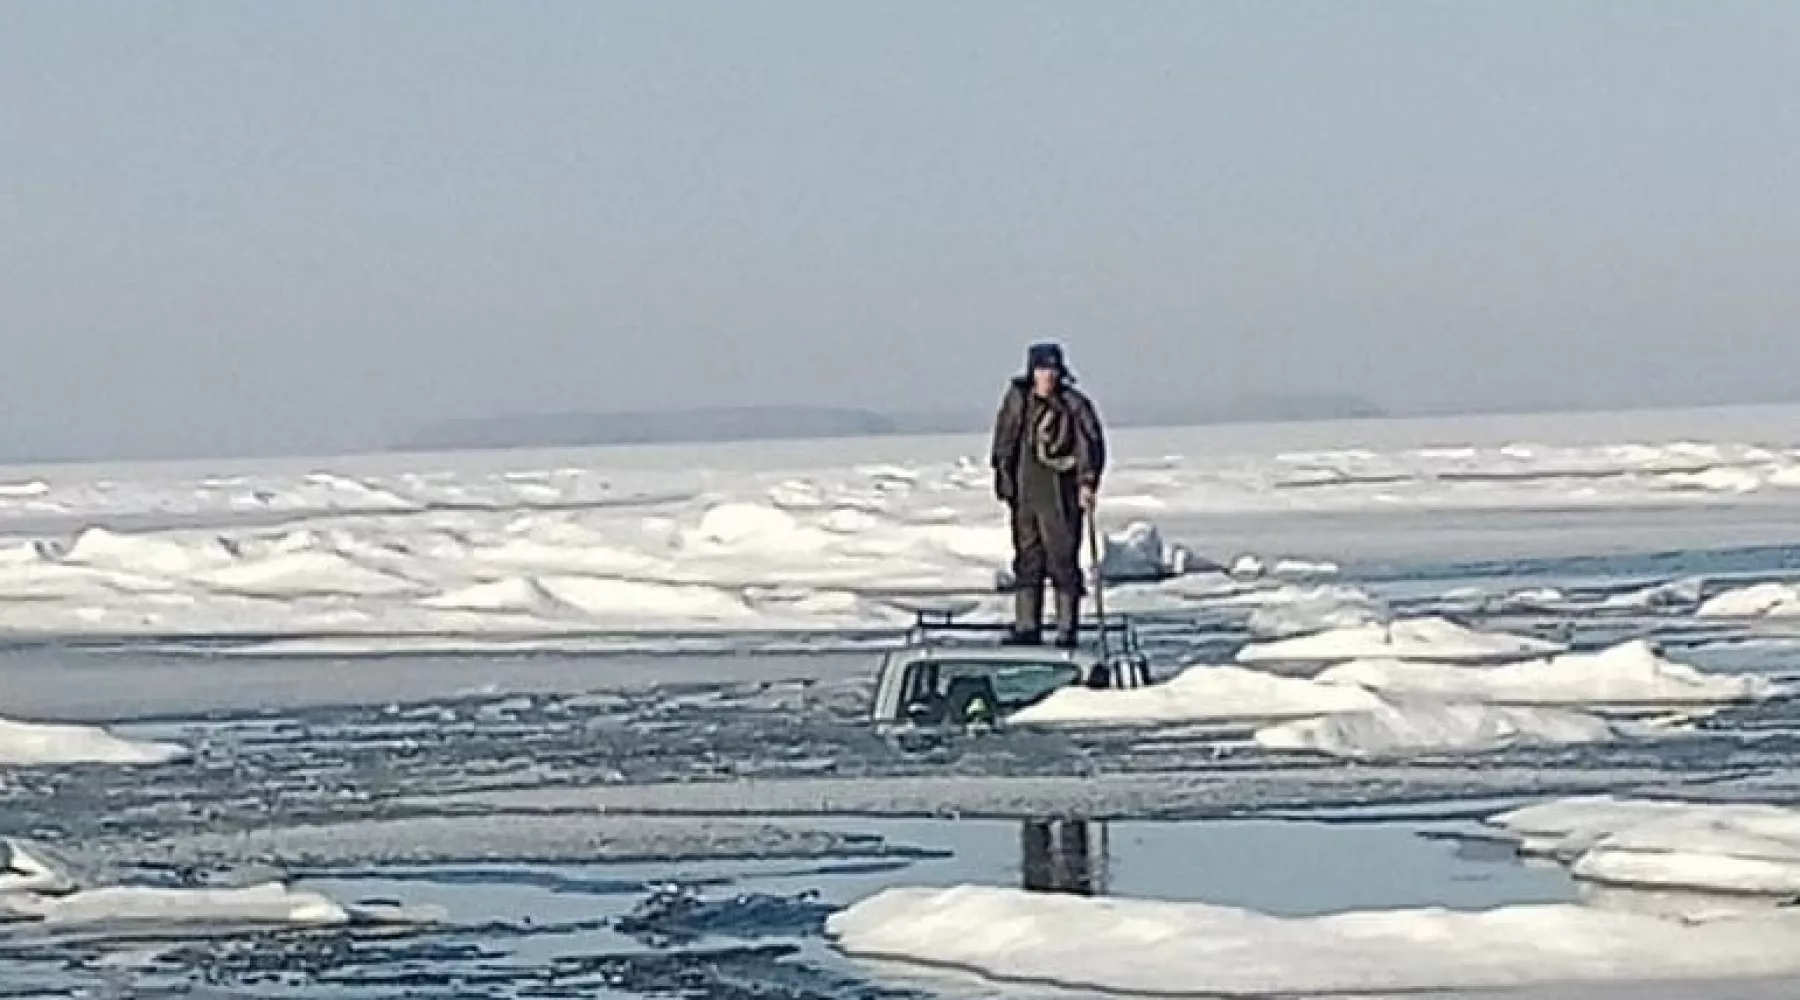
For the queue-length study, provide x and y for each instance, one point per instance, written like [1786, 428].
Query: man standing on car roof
[1048, 454]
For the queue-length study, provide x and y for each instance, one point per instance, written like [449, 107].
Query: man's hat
[1045, 355]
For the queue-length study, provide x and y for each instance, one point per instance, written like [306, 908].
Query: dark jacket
[1085, 443]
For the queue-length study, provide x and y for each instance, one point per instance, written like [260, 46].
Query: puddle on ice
[1280, 866]
[1773, 654]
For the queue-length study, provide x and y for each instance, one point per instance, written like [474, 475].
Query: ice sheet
[1393, 708]
[1746, 848]
[1413, 728]
[1195, 949]
[270, 903]
[1762, 600]
[1631, 673]
[1429, 638]
[31, 869]
[28, 744]
[1198, 694]
[798, 534]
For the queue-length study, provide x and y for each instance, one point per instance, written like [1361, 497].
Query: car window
[1015, 684]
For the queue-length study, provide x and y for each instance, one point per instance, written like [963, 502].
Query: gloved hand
[1005, 490]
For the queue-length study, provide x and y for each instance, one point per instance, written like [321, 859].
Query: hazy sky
[244, 225]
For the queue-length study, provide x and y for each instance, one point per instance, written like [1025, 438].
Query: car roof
[998, 655]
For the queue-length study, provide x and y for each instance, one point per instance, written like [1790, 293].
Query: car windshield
[1015, 684]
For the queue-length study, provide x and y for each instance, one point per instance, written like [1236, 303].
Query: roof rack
[929, 621]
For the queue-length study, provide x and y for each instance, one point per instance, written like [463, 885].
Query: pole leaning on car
[1093, 533]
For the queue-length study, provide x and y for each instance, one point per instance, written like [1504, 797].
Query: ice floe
[36, 744]
[1631, 673]
[1199, 694]
[39, 888]
[1426, 638]
[1415, 728]
[1396, 708]
[170, 908]
[1762, 600]
[1665, 844]
[1153, 947]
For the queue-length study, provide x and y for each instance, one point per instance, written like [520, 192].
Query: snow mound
[31, 744]
[1536, 599]
[1168, 948]
[39, 579]
[270, 903]
[28, 868]
[1250, 566]
[305, 574]
[1738, 848]
[1412, 728]
[1138, 554]
[1676, 595]
[751, 527]
[1408, 639]
[1717, 480]
[1684, 593]
[1627, 674]
[1288, 611]
[1749, 849]
[639, 601]
[563, 550]
[514, 595]
[147, 553]
[310, 552]
[36, 886]
[1392, 708]
[1565, 827]
[1197, 694]
[797, 494]
[23, 490]
[1762, 600]
[344, 491]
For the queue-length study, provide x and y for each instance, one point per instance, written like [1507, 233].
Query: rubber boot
[1068, 620]
[1028, 617]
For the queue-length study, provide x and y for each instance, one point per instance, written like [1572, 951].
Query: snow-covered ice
[1681, 594]
[1413, 728]
[735, 565]
[1288, 610]
[1384, 708]
[29, 744]
[1435, 639]
[804, 535]
[28, 868]
[1631, 673]
[1664, 844]
[1761, 600]
[1686, 592]
[38, 888]
[170, 908]
[1564, 828]
[1198, 694]
[696, 545]
[1151, 947]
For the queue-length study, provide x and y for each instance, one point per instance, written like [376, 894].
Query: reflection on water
[1064, 855]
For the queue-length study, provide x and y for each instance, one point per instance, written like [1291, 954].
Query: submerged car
[959, 673]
